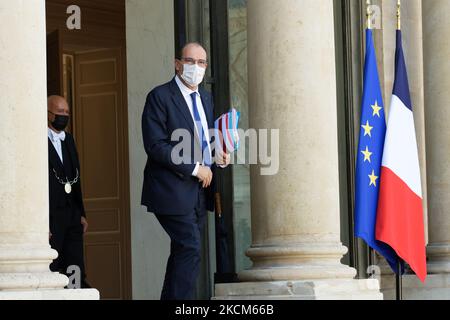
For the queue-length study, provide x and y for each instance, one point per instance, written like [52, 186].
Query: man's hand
[85, 224]
[222, 159]
[204, 174]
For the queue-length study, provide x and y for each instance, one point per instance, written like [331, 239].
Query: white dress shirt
[187, 97]
[56, 139]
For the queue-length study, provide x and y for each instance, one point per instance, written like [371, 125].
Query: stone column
[25, 253]
[296, 248]
[436, 27]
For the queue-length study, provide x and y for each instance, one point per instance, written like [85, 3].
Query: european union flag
[370, 154]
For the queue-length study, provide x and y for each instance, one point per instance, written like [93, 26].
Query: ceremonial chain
[67, 184]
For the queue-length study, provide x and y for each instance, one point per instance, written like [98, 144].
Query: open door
[100, 131]
[54, 64]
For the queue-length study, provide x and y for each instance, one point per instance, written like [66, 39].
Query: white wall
[150, 56]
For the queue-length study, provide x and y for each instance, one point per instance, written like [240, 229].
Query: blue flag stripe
[401, 85]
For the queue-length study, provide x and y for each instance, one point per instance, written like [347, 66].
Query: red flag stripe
[399, 221]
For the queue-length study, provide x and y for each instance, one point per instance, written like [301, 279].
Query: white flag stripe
[400, 150]
[226, 138]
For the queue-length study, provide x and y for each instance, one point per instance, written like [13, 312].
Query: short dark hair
[179, 54]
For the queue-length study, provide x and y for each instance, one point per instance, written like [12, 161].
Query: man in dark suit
[180, 193]
[67, 216]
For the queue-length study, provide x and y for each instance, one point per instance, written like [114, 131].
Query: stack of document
[226, 132]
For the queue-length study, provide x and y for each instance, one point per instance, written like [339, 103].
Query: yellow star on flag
[373, 179]
[367, 154]
[367, 129]
[376, 109]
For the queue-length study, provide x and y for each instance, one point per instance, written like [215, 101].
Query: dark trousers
[183, 265]
[67, 239]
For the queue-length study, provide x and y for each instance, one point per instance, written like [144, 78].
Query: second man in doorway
[67, 215]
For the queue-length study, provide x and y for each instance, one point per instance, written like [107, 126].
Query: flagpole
[398, 282]
[398, 276]
[369, 15]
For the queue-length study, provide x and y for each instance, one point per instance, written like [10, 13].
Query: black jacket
[60, 201]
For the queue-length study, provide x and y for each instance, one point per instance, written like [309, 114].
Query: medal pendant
[68, 188]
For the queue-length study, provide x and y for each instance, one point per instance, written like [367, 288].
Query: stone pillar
[296, 248]
[436, 27]
[25, 253]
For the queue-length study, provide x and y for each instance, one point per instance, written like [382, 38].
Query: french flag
[399, 214]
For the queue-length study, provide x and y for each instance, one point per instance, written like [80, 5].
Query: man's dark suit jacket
[60, 201]
[169, 188]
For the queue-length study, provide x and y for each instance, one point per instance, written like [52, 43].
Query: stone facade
[295, 250]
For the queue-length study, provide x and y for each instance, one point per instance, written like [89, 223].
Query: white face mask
[193, 74]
